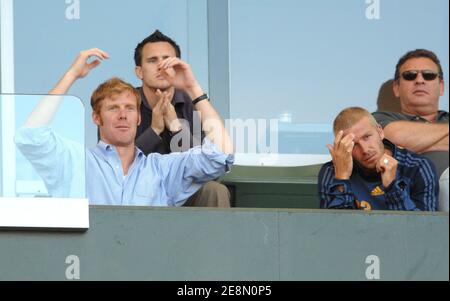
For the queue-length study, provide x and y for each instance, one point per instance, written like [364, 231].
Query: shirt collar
[105, 148]
[441, 115]
[391, 146]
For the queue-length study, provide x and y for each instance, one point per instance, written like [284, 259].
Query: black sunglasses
[411, 75]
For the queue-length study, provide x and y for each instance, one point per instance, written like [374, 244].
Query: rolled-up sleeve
[58, 161]
[334, 193]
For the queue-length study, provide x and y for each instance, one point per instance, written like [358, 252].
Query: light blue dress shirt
[153, 180]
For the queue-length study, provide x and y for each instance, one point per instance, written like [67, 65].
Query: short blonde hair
[112, 88]
[349, 117]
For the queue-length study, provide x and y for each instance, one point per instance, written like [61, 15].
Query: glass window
[31, 164]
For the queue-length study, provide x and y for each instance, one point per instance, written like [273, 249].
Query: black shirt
[149, 142]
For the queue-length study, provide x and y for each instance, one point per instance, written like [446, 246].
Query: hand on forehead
[349, 132]
[359, 129]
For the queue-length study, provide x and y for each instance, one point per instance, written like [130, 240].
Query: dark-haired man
[159, 128]
[420, 126]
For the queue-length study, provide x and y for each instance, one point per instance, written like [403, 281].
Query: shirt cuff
[333, 187]
[395, 193]
[214, 153]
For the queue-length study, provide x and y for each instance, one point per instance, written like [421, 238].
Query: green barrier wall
[129, 243]
[273, 187]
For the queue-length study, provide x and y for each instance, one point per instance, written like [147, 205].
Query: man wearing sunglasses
[420, 126]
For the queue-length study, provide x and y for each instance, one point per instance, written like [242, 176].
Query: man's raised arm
[45, 111]
[180, 75]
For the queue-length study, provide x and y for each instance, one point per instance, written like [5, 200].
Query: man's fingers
[330, 149]
[167, 99]
[171, 64]
[338, 138]
[158, 93]
[347, 142]
[378, 167]
[348, 138]
[168, 63]
[168, 73]
[167, 102]
[97, 53]
[163, 106]
[386, 163]
[163, 73]
[342, 140]
[163, 100]
[161, 65]
[349, 147]
[93, 64]
[104, 54]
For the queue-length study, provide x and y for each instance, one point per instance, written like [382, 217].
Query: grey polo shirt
[439, 158]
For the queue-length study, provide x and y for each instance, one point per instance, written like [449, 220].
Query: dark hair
[155, 37]
[418, 53]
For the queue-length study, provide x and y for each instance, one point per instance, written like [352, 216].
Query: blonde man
[369, 172]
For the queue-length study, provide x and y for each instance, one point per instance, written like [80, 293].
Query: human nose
[419, 78]
[364, 147]
[122, 114]
[162, 61]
